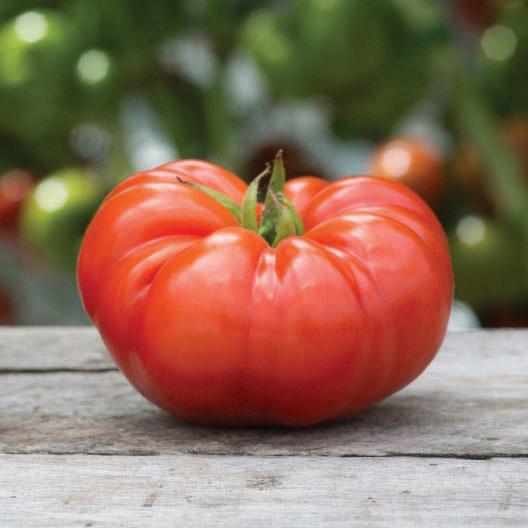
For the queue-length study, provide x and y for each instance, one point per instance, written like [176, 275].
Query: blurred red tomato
[515, 133]
[512, 317]
[15, 186]
[7, 315]
[489, 264]
[477, 13]
[414, 163]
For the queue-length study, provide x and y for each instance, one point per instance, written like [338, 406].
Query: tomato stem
[279, 218]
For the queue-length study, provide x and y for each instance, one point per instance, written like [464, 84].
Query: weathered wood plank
[472, 402]
[81, 491]
[52, 348]
[80, 348]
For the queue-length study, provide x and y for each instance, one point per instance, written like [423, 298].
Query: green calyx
[219, 197]
[279, 218]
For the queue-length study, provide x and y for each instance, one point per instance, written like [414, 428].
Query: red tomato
[477, 13]
[210, 322]
[413, 163]
[7, 309]
[15, 186]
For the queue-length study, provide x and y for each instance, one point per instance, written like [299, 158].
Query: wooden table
[79, 447]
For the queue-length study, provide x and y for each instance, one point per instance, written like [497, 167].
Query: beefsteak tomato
[221, 310]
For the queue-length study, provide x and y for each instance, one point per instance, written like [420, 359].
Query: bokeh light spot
[90, 141]
[396, 161]
[31, 27]
[93, 66]
[471, 230]
[327, 4]
[499, 42]
[51, 195]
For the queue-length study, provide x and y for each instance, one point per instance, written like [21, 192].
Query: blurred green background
[431, 93]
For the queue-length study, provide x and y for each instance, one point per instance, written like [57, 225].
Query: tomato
[511, 317]
[15, 186]
[56, 213]
[7, 308]
[304, 49]
[489, 264]
[478, 14]
[337, 298]
[515, 133]
[36, 49]
[276, 53]
[413, 163]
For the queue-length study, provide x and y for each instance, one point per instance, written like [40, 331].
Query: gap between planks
[447, 456]
[61, 370]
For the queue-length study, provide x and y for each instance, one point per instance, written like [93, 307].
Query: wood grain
[82, 491]
[52, 348]
[471, 402]
[80, 448]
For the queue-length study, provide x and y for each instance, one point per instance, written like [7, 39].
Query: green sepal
[278, 220]
[299, 226]
[277, 181]
[249, 204]
[278, 174]
[285, 224]
[219, 197]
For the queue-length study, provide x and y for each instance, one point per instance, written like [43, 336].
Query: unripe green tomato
[376, 106]
[345, 41]
[266, 37]
[36, 99]
[33, 49]
[490, 268]
[57, 212]
[363, 54]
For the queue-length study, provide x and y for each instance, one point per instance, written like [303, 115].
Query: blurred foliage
[57, 212]
[91, 90]
[490, 267]
[504, 56]
[357, 53]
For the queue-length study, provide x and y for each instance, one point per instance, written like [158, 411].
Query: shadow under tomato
[379, 430]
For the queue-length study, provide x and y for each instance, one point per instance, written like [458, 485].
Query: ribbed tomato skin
[212, 324]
